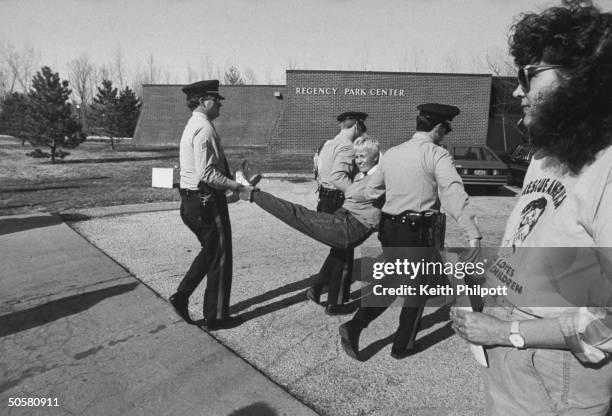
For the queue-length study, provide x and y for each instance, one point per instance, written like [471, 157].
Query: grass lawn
[93, 175]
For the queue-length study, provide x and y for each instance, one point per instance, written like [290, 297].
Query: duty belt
[200, 192]
[410, 216]
[189, 192]
[323, 191]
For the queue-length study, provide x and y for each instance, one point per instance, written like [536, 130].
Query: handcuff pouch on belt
[204, 192]
[438, 230]
[431, 223]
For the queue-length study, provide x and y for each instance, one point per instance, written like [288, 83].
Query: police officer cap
[203, 88]
[438, 112]
[357, 115]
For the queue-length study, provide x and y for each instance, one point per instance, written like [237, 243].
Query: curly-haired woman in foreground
[549, 342]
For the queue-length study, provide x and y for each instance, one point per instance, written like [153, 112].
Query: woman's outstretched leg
[338, 230]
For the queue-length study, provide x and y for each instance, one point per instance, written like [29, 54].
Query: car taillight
[465, 171]
[495, 172]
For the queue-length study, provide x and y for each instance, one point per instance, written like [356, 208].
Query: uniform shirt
[335, 162]
[557, 259]
[414, 174]
[201, 155]
[358, 204]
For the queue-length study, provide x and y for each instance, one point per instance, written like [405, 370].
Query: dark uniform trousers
[207, 216]
[402, 238]
[337, 270]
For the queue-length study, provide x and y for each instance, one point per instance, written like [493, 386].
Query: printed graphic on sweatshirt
[530, 215]
[540, 196]
[552, 187]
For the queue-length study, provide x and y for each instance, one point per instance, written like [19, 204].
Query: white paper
[162, 177]
[477, 350]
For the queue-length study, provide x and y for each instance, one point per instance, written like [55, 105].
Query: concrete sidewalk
[77, 327]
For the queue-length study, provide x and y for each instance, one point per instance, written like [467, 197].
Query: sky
[268, 36]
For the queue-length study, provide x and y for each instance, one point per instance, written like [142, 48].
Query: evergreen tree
[104, 112]
[114, 113]
[15, 116]
[51, 120]
[128, 105]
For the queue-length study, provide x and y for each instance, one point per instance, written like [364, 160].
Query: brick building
[248, 116]
[297, 117]
[315, 98]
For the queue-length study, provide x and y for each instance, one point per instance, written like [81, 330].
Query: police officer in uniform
[336, 169]
[414, 175]
[205, 178]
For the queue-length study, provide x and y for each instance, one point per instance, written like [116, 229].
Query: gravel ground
[292, 340]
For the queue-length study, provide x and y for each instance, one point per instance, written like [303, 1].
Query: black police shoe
[207, 324]
[180, 303]
[217, 324]
[349, 335]
[334, 310]
[230, 322]
[402, 352]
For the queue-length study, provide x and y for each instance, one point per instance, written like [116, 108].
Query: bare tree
[19, 66]
[402, 62]
[149, 73]
[249, 76]
[499, 63]
[292, 63]
[218, 73]
[154, 72]
[168, 77]
[209, 67]
[452, 63]
[4, 75]
[417, 60]
[192, 74]
[103, 72]
[118, 67]
[268, 75]
[81, 73]
[140, 77]
[477, 64]
[364, 62]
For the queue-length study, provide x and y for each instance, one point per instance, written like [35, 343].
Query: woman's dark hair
[575, 121]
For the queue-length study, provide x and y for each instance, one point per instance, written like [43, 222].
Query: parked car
[479, 165]
[518, 163]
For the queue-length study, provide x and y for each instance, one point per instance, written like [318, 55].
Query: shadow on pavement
[273, 307]
[429, 340]
[74, 217]
[57, 309]
[291, 287]
[15, 225]
[255, 409]
[349, 307]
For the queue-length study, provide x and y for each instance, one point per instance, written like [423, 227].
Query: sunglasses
[527, 72]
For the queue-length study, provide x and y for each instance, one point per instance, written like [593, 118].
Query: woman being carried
[346, 228]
